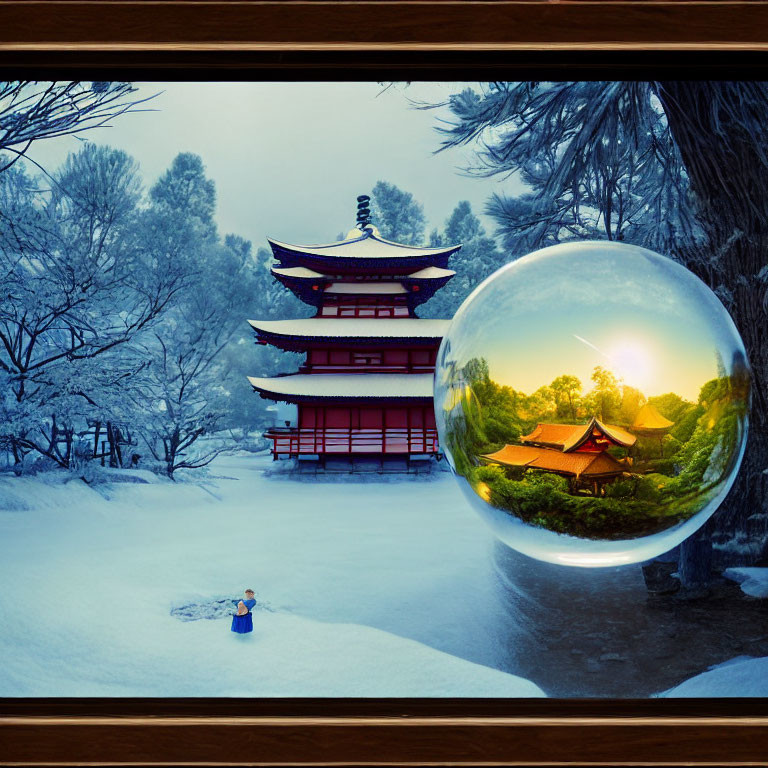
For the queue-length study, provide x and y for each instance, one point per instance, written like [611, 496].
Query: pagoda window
[364, 306]
[366, 358]
[416, 360]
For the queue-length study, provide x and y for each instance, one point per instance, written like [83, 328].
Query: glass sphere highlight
[591, 399]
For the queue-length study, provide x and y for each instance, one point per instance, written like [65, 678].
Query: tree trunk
[112, 441]
[721, 131]
[695, 566]
[18, 457]
[96, 432]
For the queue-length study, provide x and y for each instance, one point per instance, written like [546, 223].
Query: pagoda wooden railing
[295, 441]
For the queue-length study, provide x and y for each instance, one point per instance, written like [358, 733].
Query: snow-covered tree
[75, 289]
[181, 396]
[267, 299]
[126, 315]
[598, 158]
[182, 393]
[33, 110]
[185, 192]
[478, 258]
[397, 214]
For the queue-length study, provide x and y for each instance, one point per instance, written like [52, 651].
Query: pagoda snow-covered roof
[301, 387]
[364, 250]
[301, 273]
[431, 273]
[367, 245]
[343, 277]
[405, 328]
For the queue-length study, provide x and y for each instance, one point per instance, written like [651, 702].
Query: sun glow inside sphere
[632, 362]
[591, 399]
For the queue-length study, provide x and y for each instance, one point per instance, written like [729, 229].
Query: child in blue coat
[242, 621]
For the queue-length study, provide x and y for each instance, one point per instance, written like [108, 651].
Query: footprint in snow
[216, 608]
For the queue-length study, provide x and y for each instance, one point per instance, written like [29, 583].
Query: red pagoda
[365, 389]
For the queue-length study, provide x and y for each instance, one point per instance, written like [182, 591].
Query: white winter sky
[289, 159]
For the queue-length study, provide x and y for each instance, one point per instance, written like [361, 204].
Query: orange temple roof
[650, 420]
[568, 437]
[577, 465]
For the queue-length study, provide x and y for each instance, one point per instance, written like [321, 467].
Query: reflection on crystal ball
[591, 400]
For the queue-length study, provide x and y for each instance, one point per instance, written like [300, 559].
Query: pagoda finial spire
[363, 211]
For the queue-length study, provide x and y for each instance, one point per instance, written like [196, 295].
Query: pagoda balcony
[294, 441]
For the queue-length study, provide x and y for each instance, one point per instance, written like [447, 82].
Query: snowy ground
[753, 581]
[370, 590]
[742, 676]
[378, 587]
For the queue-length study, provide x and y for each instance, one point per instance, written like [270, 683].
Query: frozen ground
[370, 589]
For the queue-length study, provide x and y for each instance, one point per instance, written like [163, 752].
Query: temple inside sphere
[365, 389]
[585, 437]
[577, 452]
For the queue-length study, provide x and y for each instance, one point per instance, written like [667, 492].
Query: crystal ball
[591, 399]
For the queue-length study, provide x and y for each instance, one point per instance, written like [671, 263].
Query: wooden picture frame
[382, 40]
